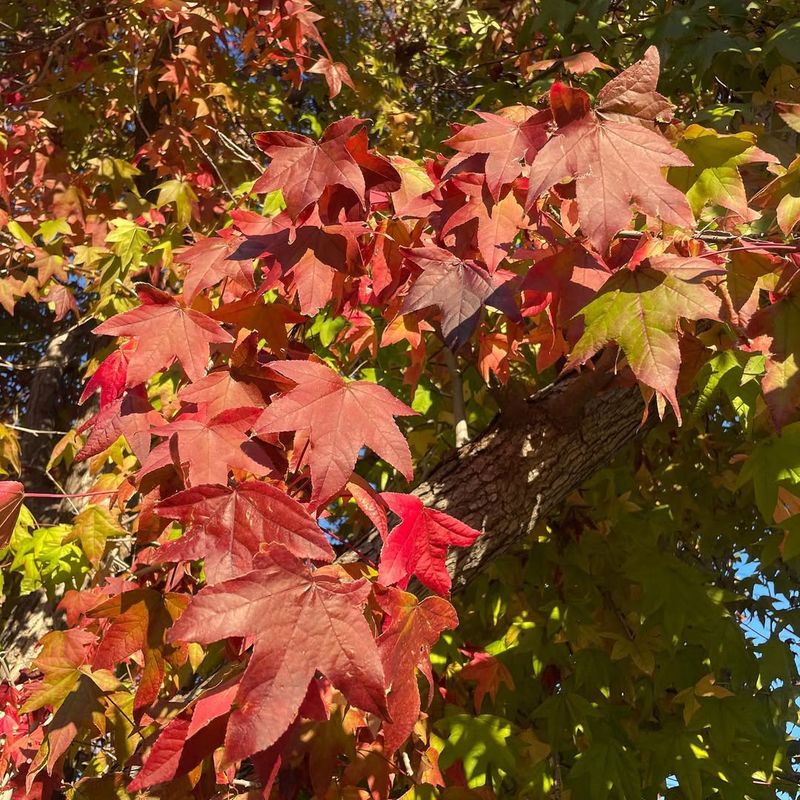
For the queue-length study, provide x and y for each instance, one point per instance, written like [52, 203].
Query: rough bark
[523, 467]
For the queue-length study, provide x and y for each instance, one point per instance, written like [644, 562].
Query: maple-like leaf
[488, 672]
[131, 416]
[70, 687]
[405, 647]
[227, 526]
[639, 308]
[633, 93]
[615, 160]
[497, 225]
[311, 252]
[11, 495]
[459, 289]
[340, 417]
[482, 743]
[335, 74]
[110, 376]
[220, 390]
[268, 320]
[303, 169]
[92, 527]
[518, 133]
[211, 446]
[415, 183]
[187, 739]
[301, 622]
[213, 259]
[418, 544]
[165, 331]
[138, 620]
[563, 281]
[714, 175]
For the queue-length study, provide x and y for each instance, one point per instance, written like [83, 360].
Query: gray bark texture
[523, 467]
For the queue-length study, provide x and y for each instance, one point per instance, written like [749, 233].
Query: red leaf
[303, 169]
[11, 495]
[210, 261]
[269, 320]
[488, 673]
[165, 331]
[633, 93]
[498, 225]
[130, 416]
[339, 417]
[405, 646]
[614, 157]
[301, 621]
[227, 527]
[335, 74]
[109, 378]
[210, 447]
[138, 620]
[314, 280]
[219, 390]
[187, 740]
[459, 289]
[520, 132]
[418, 545]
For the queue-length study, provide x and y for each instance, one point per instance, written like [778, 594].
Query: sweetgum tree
[400, 399]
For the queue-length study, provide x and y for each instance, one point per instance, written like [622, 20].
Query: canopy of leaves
[264, 264]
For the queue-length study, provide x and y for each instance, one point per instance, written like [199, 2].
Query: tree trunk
[523, 467]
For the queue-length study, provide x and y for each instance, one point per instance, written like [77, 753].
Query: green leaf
[481, 744]
[714, 177]
[91, 528]
[773, 462]
[182, 195]
[639, 309]
[52, 228]
[128, 241]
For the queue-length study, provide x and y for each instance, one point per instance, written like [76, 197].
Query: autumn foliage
[256, 402]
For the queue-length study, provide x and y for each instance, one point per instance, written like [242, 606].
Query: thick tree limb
[524, 466]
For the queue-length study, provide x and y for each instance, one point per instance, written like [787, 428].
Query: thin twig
[34, 431]
[459, 410]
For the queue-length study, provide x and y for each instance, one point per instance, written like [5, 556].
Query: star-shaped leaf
[92, 527]
[405, 647]
[303, 169]
[714, 175]
[340, 417]
[70, 687]
[481, 744]
[639, 309]
[211, 446]
[130, 416]
[418, 545]
[220, 390]
[227, 526]
[614, 158]
[165, 331]
[209, 261]
[335, 74]
[301, 622]
[519, 132]
[138, 620]
[459, 289]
